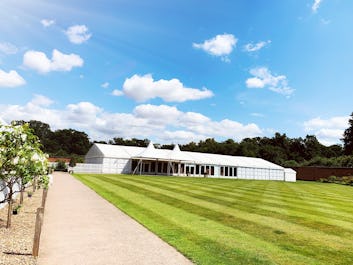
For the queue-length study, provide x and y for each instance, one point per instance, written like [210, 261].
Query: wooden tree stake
[38, 230]
[44, 197]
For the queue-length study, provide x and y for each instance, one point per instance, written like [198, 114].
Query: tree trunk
[9, 213]
[34, 182]
[21, 196]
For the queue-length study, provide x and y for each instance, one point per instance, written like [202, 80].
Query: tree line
[59, 143]
[279, 149]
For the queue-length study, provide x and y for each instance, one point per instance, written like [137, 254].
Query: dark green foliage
[60, 142]
[129, 142]
[348, 138]
[72, 162]
[332, 179]
[60, 166]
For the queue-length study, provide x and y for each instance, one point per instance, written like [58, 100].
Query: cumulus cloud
[328, 131]
[162, 114]
[11, 79]
[316, 5]
[250, 47]
[39, 62]
[41, 100]
[220, 46]
[262, 77]
[143, 88]
[78, 34]
[160, 122]
[47, 22]
[8, 48]
[82, 113]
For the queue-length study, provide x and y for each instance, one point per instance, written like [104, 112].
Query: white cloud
[82, 113]
[255, 82]
[182, 136]
[255, 47]
[316, 5]
[161, 123]
[339, 122]
[11, 79]
[143, 88]
[221, 46]
[8, 48]
[105, 85]
[47, 22]
[262, 77]
[78, 34]
[328, 131]
[41, 100]
[117, 93]
[39, 62]
[161, 114]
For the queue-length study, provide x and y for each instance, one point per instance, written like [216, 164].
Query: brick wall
[315, 173]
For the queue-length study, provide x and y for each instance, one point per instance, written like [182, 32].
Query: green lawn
[219, 221]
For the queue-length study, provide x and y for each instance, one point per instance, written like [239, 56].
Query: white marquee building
[118, 159]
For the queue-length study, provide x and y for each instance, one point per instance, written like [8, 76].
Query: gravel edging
[16, 243]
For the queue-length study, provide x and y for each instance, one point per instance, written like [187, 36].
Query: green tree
[348, 138]
[249, 147]
[70, 141]
[313, 147]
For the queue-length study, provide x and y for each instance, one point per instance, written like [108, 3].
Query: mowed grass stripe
[312, 200]
[306, 198]
[243, 199]
[327, 189]
[340, 202]
[177, 193]
[279, 211]
[226, 236]
[200, 249]
[215, 212]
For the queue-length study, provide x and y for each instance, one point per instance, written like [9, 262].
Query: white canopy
[175, 155]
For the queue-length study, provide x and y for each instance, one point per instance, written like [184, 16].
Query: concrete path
[81, 228]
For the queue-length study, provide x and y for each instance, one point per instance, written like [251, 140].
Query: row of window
[158, 167]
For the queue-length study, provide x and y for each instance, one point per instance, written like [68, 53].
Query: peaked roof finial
[176, 148]
[150, 145]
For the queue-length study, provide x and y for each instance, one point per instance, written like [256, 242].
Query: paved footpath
[81, 228]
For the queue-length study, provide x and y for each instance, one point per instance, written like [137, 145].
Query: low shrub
[61, 166]
[332, 179]
[345, 180]
[323, 180]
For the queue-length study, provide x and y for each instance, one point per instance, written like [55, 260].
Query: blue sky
[179, 71]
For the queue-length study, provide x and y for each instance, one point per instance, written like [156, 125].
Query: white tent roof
[114, 151]
[289, 170]
[151, 153]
